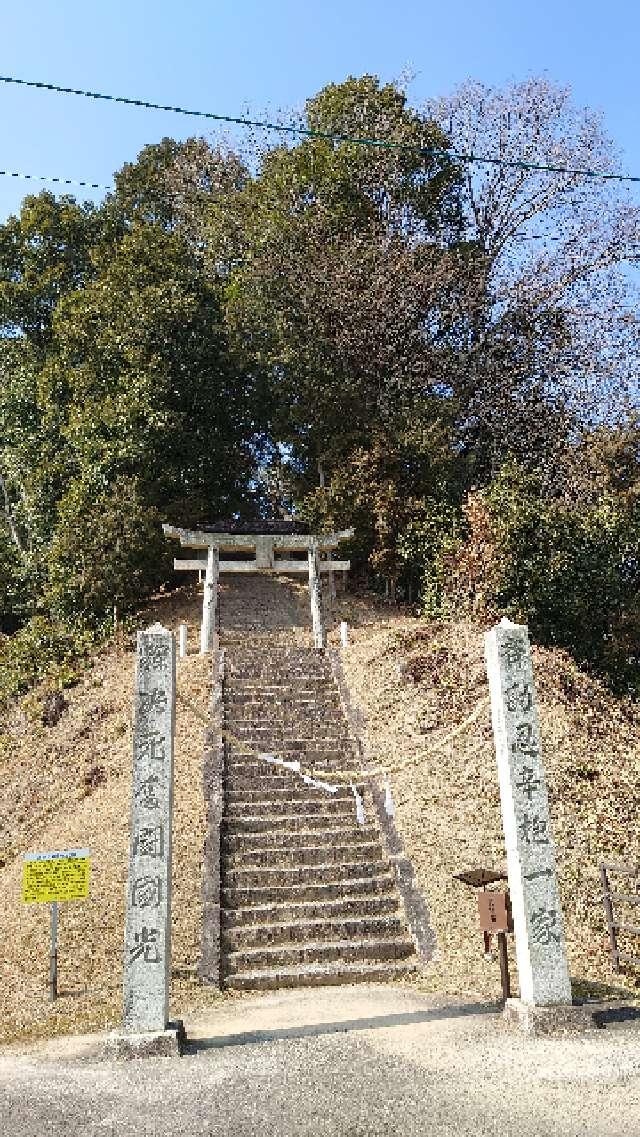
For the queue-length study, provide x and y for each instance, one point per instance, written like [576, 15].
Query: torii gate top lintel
[264, 540]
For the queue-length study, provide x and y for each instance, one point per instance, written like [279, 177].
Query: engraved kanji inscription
[533, 829]
[146, 892]
[527, 782]
[149, 841]
[146, 792]
[156, 655]
[519, 697]
[153, 701]
[525, 743]
[544, 926]
[145, 946]
[152, 744]
[514, 652]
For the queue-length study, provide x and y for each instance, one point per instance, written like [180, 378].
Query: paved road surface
[352, 1062]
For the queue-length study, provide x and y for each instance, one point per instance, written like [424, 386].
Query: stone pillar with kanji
[531, 865]
[147, 949]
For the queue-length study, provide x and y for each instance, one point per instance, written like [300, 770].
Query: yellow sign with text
[48, 877]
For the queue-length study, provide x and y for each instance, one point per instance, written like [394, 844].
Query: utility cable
[291, 129]
[51, 178]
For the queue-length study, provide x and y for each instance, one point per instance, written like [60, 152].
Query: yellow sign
[56, 876]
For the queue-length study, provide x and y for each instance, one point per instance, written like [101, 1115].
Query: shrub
[108, 552]
[42, 650]
[570, 571]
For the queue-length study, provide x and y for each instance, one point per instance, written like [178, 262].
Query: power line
[380, 143]
[52, 178]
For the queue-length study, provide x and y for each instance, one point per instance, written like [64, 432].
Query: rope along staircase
[308, 894]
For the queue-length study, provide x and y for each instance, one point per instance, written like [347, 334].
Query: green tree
[107, 553]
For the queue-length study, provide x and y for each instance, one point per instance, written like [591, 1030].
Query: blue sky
[230, 57]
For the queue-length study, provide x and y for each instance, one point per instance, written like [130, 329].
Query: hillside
[68, 784]
[416, 684]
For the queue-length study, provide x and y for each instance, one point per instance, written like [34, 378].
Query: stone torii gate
[258, 546]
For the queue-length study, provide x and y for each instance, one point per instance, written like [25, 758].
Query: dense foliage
[441, 355]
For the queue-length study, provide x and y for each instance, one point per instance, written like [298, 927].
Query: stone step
[262, 774]
[273, 654]
[271, 699]
[251, 748]
[267, 788]
[321, 872]
[279, 686]
[286, 836]
[327, 770]
[296, 734]
[264, 783]
[301, 932]
[288, 724]
[321, 975]
[261, 712]
[347, 951]
[282, 824]
[248, 766]
[293, 856]
[273, 806]
[257, 716]
[276, 656]
[273, 663]
[291, 912]
[248, 739]
[243, 894]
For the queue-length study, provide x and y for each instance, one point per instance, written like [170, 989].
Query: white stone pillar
[183, 640]
[147, 950]
[209, 600]
[344, 633]
[319, 632]
[537, 916]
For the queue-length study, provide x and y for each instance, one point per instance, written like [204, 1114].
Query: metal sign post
[48, 878]
[53, 953]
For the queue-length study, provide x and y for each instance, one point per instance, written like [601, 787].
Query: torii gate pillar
[270, 543]
[209, 599]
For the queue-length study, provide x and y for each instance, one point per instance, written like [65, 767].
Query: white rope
[360, 818]
[389, 804]
[295, 766]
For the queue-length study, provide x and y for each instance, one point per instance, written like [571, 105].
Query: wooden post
[504, 965]
[209, 600]
[319, 631]
[183, 640]
[344, 633]
[611, 927]
[53, 953]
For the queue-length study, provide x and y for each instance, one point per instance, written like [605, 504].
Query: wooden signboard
[495, 912]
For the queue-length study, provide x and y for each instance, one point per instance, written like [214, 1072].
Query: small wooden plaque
[495, 912]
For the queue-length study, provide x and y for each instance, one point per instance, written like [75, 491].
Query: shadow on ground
[314, 1030]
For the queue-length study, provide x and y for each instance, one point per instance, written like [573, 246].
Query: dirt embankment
[416, 683]
[68, 785]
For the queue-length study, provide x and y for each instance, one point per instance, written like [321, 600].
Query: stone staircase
[308, 895]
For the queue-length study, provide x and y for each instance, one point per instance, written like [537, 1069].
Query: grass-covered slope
[68, 785]
[416, 683]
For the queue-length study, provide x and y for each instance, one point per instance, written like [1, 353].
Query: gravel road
[354, 1062]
